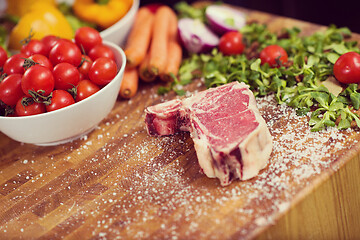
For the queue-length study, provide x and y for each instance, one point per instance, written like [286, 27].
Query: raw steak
[231, 138]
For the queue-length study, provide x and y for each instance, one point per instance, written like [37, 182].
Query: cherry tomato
[14, 64]
[60, 99]
[10, 89]
[32, 108]
[153, 7]
[42, 60]
[85, 67]
[3, 56]
[347, 68]
[84, 89]
[273, 55]
[38, 78]
[65, 51]
[101, 51]
[65, 75]
[102, 71]
[231, 43]
[87, 38]
[49, 42]
[32, 47]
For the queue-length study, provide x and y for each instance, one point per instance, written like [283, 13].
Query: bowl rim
[76, 104]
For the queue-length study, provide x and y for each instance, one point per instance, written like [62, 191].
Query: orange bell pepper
[20, 7]
[104, 13]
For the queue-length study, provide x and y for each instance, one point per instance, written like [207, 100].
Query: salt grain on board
[298, 155]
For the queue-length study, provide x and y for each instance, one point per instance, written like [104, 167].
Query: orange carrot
[174, 52]
[173, 26]
[160, 39]
[174, 61]
[130, 83]
[139, 38]
[144, 72]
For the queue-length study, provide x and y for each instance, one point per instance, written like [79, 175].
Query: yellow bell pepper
[42, 19]
[20, 7]
[103, 15]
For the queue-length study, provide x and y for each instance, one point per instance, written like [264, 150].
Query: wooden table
[119, 183]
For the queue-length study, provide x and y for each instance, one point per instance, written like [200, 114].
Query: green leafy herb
[299, 84]
[185, 10]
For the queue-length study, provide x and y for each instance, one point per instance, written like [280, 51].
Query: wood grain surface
[119, 183]
[331, 211]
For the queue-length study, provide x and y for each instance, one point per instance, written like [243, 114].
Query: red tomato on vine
[28, 108]
[85, 88]
[10, 89]
[101, 51]
[85, 67]
[102, 71]
[65, 51]
[38, 79]
[34, 46]
[59, 99]
[66, 76]
[87, 38]
[14, 64]
[3, 56]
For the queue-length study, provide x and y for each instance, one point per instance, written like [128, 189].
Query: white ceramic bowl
[118, 32]
[69, 123]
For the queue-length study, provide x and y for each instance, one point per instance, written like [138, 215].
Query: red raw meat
[230, 137]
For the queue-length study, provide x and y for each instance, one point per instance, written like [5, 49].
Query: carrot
[139, 38]
[174, 53]
[130, 83]
[173, 26]
[144, 72]
[174, 61]
[160, 39]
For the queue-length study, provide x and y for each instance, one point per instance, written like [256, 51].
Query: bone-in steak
[230, 137]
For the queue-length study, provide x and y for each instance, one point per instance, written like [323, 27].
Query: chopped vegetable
[185, 10]
[298, 83]
[224, 19]
[195, 36]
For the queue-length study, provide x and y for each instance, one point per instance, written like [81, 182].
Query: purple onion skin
[218, 28]
[197, 43]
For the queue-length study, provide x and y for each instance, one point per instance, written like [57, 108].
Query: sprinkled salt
[167, 185]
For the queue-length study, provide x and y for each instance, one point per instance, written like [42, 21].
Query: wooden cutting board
[119, 183]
